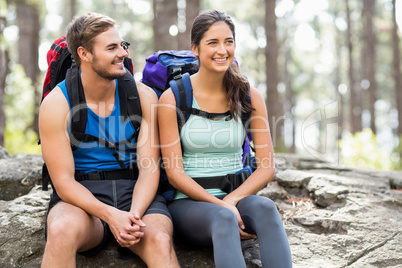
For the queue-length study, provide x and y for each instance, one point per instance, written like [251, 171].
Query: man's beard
[102, 72]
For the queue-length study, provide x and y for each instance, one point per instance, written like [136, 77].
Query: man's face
[108, 55]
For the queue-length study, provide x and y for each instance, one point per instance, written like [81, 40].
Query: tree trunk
[165, 15]
[397, 69]
[289, 97]
[69, 14]
[368, 61]
[192, 10]
[337, 82]
[29, 27]
[73, 8]
[3, 72]
[355, 98]
[274, 105]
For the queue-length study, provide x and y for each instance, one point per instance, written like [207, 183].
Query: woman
[213, 147]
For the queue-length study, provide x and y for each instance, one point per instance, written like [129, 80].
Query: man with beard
[84, 214]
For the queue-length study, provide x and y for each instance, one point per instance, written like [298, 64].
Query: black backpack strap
[128, 63]
[130, 105]
[45, 178]
[198, 112]
[78, 109]
[119, 174]
[227, 183]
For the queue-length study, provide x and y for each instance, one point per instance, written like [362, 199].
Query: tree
[165, 16]
[289, 96]
[28, 22]
[397, 68]
[355, 98]
[274, 105]
[68, 13]
[192, 9]
[369, 59]
[3, 71]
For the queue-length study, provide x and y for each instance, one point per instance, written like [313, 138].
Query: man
[84, 214]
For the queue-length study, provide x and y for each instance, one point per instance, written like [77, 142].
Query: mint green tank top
[211, 148]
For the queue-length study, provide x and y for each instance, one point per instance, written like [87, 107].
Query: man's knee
[64, 226]
[159, 233]
[161, 239]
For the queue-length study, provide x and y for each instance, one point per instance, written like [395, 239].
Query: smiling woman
[212, 149]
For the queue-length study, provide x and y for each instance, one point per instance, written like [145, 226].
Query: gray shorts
[116, 193]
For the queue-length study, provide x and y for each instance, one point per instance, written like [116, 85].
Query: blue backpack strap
[183, 94]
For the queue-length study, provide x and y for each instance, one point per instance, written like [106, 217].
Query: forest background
[329, 70]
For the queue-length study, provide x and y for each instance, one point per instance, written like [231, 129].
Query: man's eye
[125, 44]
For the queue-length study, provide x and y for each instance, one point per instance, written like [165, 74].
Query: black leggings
[207, 224]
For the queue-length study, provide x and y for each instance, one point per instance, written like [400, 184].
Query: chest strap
[119, 174]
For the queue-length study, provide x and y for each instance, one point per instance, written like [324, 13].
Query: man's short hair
[82, 31]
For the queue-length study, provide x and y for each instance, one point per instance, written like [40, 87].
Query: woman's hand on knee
[243, 234]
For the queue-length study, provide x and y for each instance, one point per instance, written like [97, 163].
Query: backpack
[172, 68]
[162, 66]
[61, 66]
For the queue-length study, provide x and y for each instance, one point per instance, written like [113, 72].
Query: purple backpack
[162, 66]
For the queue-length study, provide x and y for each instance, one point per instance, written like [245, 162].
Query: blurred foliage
[362, 150]
[396, 156]
[18, 108]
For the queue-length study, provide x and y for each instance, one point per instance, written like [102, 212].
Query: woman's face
[216, 48]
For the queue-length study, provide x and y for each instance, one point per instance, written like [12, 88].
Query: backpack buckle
[176, 72]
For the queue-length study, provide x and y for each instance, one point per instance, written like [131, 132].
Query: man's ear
[84, 54]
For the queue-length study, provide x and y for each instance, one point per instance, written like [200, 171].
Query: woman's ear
[194, 49]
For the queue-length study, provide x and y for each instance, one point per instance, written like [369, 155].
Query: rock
[293, 178]
[333, 216]
[324, 193]
[32, 178]
[21, 236]
[13, 171]
[273, 191]
[22, 240]
[3, 153]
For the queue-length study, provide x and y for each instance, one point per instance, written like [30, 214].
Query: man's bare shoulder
[54, 107]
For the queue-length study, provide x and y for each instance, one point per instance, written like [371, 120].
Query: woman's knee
[224, 222]
[258, 204]
[268, 206]
[259, 208]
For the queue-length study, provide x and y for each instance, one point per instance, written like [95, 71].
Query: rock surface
[18, 174]
[334, 217]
